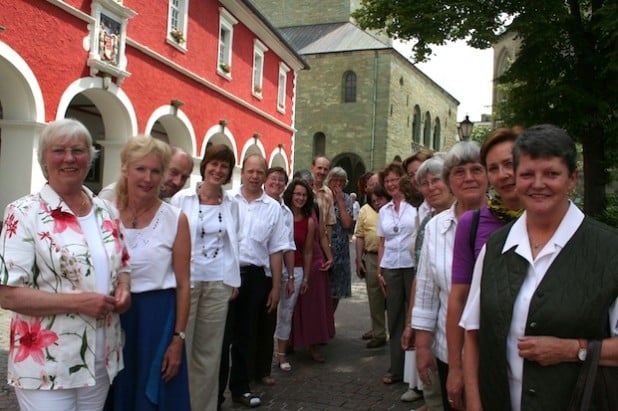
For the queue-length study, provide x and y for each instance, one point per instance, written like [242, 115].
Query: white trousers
[70, 399]
[285, 310]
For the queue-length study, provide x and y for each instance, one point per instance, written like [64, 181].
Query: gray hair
[433, 166]
[67, 128]
[337, 172]
[304, 175]
[463, 152]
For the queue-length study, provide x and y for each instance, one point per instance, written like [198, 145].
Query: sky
[464, 72]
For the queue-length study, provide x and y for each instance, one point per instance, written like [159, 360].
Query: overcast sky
[464, 72]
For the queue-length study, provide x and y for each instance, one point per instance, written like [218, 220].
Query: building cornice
[177, 67]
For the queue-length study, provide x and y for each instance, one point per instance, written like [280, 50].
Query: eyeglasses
[430, 182]
[276, 179]
[77, 151]
[460, 172]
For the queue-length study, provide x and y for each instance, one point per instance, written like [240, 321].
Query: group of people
[149, 296]
[492, 280]
[154, 297]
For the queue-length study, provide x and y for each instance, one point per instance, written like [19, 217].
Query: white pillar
[20, 173]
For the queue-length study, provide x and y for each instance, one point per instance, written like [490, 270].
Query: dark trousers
[242, 314]
[443, 372]
[261, 345]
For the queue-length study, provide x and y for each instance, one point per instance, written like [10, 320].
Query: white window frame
[282, 87]
[177, 10]
[259, 49]
[224, 51]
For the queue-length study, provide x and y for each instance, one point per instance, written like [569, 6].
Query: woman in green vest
[543, 286]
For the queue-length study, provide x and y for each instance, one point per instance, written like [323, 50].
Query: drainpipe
[374, 102]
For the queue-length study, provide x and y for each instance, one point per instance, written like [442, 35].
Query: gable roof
[329, 38]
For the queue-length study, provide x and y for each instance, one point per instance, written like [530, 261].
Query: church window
[349, 87]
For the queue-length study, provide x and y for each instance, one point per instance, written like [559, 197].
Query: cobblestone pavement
[351, 377]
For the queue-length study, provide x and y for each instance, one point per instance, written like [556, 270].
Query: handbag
[595, 388]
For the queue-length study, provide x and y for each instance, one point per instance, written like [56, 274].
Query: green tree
[565, 73]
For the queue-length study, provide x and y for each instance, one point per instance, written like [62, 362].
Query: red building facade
[189, 73]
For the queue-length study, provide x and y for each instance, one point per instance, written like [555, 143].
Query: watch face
[581, 354]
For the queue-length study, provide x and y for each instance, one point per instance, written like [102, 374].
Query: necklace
[136, 215]
[203, 234]
[82, 208]
[396, 217]
[209, 199]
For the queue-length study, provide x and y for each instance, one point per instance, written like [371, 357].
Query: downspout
[374, 102]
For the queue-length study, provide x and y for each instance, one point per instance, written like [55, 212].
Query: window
[282, 91]
[416, 125]
[226, 34]
[349, 87]
[177, 23]
[427, 131]
[437, 132]
[258, 67]
[319, 144]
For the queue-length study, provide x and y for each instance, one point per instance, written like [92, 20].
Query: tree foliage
[566, 71]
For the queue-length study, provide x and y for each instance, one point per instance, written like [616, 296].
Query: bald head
[178, 172]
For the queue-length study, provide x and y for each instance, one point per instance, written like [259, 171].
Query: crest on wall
[107, 40]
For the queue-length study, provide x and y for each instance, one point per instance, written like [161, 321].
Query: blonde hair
[135, 149]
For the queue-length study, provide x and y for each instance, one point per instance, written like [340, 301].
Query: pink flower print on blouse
[32, 340]
[10, 224]
[111, 226]
[64, 220]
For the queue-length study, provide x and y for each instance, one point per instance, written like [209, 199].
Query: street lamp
[464, 129]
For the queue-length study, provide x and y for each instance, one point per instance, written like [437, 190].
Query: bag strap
[474, 228]
[592, 364]
[581, 396]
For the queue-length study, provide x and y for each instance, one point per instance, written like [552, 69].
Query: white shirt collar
[518, 236]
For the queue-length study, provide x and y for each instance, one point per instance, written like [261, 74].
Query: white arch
[20, 83]
[108, 100]
[279, 153]
[253, 142]
[216, 130]
[178, 126]
[117, 115]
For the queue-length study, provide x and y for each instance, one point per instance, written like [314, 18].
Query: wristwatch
[180, 334]
[583, 350]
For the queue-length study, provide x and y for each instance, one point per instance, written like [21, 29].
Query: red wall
[51, 42]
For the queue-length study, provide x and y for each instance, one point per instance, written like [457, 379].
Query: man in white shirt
[262, 242]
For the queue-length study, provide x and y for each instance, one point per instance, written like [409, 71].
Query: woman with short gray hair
[466, 178]
[341, 272]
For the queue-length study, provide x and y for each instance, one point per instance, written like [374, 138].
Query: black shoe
[376, 343]
[248, 399]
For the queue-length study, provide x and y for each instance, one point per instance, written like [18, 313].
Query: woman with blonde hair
[157, 235]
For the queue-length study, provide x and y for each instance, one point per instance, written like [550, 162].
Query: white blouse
[397, 229]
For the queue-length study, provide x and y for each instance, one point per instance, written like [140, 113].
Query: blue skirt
[148, 328]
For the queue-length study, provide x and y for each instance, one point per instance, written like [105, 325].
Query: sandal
[283, 365]
[248, 399]
[389, 379]
[316, 356]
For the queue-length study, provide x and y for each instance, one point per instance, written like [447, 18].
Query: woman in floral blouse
[64, 273]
